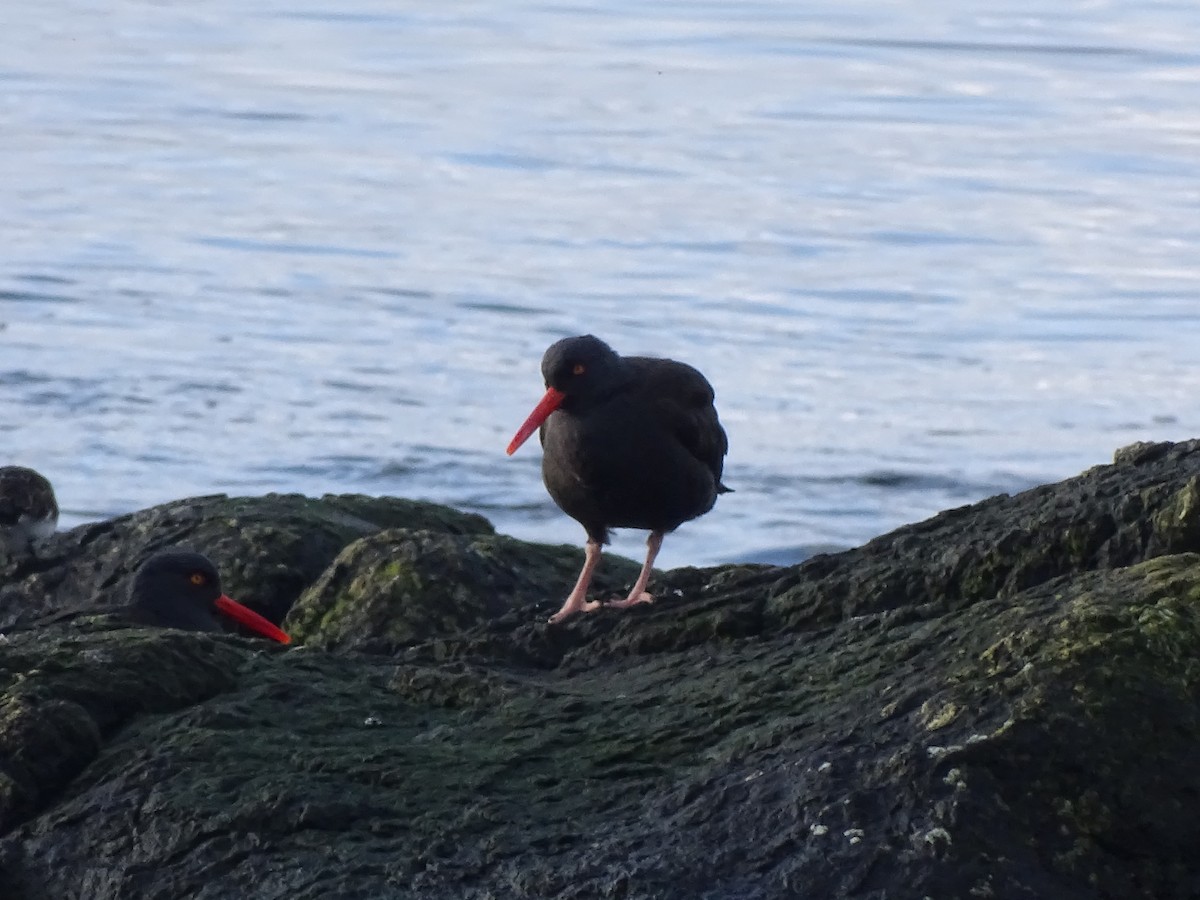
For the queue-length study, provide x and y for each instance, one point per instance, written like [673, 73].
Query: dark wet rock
[926, 716]
[64, 695]
[268, 549]
[1145, 505]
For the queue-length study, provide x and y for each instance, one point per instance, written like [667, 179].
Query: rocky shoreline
[1001, 701]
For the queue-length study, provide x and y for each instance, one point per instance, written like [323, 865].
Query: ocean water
[925, 252]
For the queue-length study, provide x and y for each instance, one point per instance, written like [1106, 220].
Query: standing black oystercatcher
[181, 589]
[629, 442]
[28, 510]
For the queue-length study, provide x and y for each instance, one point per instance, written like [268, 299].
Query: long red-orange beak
[251, 619]
[548, 404]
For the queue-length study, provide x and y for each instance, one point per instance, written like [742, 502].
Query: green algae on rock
[268, 549]
[1017, 746]
[65, 694]
[1001, 702]
[399, 587]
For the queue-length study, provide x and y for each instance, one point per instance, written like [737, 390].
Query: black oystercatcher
[628, 442]
[181, 589]
[28, 510]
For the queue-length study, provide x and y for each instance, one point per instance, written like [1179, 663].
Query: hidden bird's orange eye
[579, 369]
[197, 579]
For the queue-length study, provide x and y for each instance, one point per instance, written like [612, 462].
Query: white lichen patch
[936, 717]
[936, 751]
[954, 778]
[936, 838]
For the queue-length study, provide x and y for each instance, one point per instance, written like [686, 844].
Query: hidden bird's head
[182, 589]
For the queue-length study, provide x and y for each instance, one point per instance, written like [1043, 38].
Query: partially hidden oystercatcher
[28, 509]
[179, 589]
[182, 589]
[628, 442]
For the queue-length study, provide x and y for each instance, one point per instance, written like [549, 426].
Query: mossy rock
[64, 693]
[268, 549]
[1146, 504]
[400, 587]
[1001, 702]
[1040, 745]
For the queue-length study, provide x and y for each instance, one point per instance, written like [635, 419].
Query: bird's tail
[721, 489]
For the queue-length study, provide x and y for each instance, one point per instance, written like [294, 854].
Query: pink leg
[638, 594]
[577, 600]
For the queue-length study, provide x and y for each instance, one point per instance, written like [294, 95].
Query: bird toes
[643, 597]
[571, 608]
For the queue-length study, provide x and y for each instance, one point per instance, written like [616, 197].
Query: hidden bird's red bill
[244, 616]
[549, 403]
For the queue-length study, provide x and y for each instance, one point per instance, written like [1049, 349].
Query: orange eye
[197, 579]
[579, 369]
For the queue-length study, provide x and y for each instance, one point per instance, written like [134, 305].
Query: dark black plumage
[629, 442]
[182, 589]
[178, 589]
[636, 442]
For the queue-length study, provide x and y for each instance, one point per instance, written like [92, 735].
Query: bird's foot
[571, 607]
[631, 600]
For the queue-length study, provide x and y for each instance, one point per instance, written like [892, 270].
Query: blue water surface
[925, 252]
